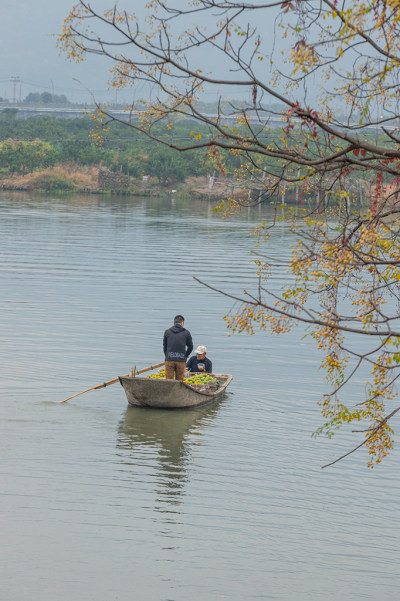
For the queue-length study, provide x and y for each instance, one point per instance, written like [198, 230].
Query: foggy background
[32, 62]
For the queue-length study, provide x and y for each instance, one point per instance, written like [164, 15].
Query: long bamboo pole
[141, 371]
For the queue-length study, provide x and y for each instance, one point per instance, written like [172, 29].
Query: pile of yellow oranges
[193, 380]
[199, 379]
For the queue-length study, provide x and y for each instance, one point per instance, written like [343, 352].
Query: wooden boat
[171, 394]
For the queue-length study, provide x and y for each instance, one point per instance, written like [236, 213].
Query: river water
[103, 502]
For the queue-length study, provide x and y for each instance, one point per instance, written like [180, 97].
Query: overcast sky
[28, 30]
[28, 50]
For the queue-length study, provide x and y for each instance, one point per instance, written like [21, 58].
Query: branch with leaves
[326, 140]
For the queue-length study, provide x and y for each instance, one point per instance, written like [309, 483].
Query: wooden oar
[134, 373]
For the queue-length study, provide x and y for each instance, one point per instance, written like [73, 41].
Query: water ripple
[226, 501]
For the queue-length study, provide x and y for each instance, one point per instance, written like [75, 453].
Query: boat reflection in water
[164, 439]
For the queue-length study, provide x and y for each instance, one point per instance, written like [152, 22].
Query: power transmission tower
[15, 79]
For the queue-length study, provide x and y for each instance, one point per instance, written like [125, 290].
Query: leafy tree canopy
[328, 78]
[46, 98]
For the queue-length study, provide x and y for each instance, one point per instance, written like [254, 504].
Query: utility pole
[15, 79]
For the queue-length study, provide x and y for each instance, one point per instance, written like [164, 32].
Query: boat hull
[170, 394]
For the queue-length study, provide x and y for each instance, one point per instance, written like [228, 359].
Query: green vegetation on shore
[44, 143]
[59, 154]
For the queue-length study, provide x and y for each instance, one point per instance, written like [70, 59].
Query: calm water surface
[103, 502]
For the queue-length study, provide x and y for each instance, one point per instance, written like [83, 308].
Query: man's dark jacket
[177, 343]
[193, 363]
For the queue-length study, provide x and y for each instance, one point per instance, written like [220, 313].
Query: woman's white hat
[200, 350]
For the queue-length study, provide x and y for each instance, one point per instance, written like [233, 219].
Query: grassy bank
[65, 178]
[61, 178]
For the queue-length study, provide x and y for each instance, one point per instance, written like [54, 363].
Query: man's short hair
[179, 319]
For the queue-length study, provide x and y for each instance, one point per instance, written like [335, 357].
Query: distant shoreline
[69, 178]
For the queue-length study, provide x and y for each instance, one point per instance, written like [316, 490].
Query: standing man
[177, 345]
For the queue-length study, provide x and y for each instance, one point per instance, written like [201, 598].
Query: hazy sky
[28, 30]
[28, 50]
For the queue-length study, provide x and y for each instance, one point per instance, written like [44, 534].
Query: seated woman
[199, 363]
